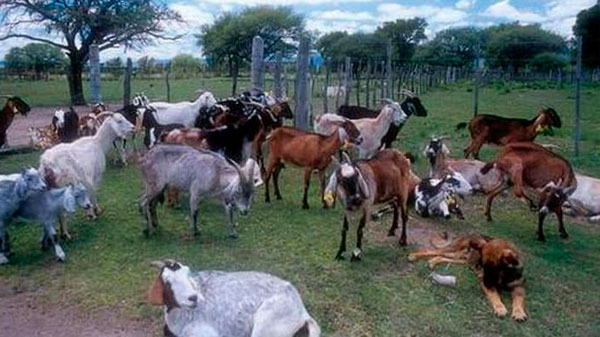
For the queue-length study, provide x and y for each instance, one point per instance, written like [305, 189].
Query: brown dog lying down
[498, 264]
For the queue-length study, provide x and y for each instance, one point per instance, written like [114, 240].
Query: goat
[46, 207]
[184, 113]
[152, 129]
[498, 130]
[333, 91]
[43, 138]
[386, 177]
[202, 173]
[232, 304]
[470, 169]
[372, 129]
[437, 197]
[530, 165]
[308, 150]
[14, 190]
[585, 201]
[411, 105]
[83, 160]
[66, 125]
[14, 105]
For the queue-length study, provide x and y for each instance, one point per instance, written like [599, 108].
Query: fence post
[301, 116]
[358, 69]
[127, 83]
[94, 57]
[388, 70]
[168, 84]
[278, 86]
[325, 86]
[368, 82]
[347, 84]
[257, 62]
[577, 97]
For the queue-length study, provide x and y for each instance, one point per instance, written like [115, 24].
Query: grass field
[384, 295]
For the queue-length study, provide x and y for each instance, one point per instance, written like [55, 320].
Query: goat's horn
[407, 93]
[346, 157]
[386, 101]
[444, 137]
[108, 113]
[157, 264]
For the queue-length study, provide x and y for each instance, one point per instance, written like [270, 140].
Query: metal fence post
[95, 91]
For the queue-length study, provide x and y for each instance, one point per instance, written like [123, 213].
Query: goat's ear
[156, 291]
[362, 184]
[569, 190]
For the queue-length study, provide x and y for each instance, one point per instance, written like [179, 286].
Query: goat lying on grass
[501, 131]
[14, 190]
[497, 262]
[232, 304]
[387, 177]
[48, 206]
[438, 197]
[203, 174]
[585, 201]
[531, 165]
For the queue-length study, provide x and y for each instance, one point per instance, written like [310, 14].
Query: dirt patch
[22, 314]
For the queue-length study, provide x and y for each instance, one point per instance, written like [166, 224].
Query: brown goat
[492, 129]
[530, 165]
[305, 149]
[14, 105]
[386, 177]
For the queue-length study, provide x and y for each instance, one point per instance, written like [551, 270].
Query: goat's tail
[313, 328]
[487, 167]
[461, 125]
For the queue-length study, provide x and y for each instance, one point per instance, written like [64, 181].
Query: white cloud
[343, 15]
[465, 4]
[433, 14]
[193, 15]
[327, 26]
[280, 2]
[505, 10]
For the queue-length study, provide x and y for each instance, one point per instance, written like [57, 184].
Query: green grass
[384, 295]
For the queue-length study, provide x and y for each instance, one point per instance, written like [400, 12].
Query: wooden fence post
[127, 83]
[168, 84]
[578, 97]
[302, 104]
[95, 91]
[325, 85]
[278, 85]
[388, 70]
[339, 85]
[368, 83]
[257, 63]
[347, 79]
[382, 79]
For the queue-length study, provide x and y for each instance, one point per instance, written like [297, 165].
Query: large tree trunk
[74, 76]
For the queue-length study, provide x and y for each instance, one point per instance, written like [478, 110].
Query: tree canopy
[185, 65]
[406, 34]
[108, 23]
[588, 27]
[35, 58]
[453, 47]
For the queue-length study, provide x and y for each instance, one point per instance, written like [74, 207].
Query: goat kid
[14, 106]
[308, 150]
[232, 304]
[212, 176]
[153, 130]
[48, 206]
[184, 113]
[387, 177]
[14, 190]
[438, 197]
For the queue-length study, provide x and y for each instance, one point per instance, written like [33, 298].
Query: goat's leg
[231, 232]
[271, 166]
[392, 230]
[517, 178]
[4, 244]
[50, 234]
[356, 255]
[342, 249]
[561, 225]
[322, 187]
[152, 213]
[64, 229]
[404, 213]
[307, 173]
[475, 145]
[276, 181]
[493, 194]
[540, 231]
[194, 199]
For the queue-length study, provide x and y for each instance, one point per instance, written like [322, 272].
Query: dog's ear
[477, 243]
[509, 257]
[156, 291]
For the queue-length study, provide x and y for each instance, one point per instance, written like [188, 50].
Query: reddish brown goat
[305, 149]
[14, 105]
[530, 165]
[498, 130]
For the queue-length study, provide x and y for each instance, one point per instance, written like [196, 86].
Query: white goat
[232, 304]
[183, 112]
[84, 160]
[585, 201]
[372, 129]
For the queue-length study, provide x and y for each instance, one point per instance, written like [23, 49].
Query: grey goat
[232, 304]
[203, 174]
[46, 207]
[14, 189]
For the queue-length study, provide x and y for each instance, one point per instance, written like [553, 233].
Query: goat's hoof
[146, 232]
[356, 255]
[564, 235]
[3, 259]
[305, 206]
[339, 257]
[66, 236]
[279, 197]
[402, 242]
[392, 233]
[267, 200]
[233, 235]
[541, 238]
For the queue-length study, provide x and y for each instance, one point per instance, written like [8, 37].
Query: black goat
[153, 129]
[66, 125]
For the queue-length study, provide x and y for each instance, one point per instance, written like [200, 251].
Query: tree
[512, 46]
[229, 39]
[185, 65]
[36, 58]
[406, 34]
[108, 23]
[548, 61]
[114, 67]
[456, 47]
[588, 27]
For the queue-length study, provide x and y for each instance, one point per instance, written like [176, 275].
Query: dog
[498, 264]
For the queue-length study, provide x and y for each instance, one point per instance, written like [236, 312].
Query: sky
[361, 15]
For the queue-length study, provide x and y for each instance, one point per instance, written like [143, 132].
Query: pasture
[384, 295]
